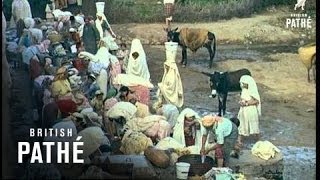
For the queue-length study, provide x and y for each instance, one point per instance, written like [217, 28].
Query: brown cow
[193, 39]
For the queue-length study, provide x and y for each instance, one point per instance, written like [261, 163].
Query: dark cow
[193, 39]
[223, 82]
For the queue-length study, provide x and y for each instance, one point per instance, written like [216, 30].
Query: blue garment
[90, 93]
[28, 53]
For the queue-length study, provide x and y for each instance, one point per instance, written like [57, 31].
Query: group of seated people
[104, 97]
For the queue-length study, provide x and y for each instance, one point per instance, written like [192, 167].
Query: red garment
[190, 140]
[168, 9]
[35, 69]
[142, 93]
[67, 106]
[79, 64]
[218, 153]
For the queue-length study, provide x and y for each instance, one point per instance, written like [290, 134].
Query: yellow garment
[131, 80]
[134, 143]
[142, 110]
[193, 38]
[143, 124]
[171, 88]
[264, 150]
[124, 109]
[97, 104]
[60, 88]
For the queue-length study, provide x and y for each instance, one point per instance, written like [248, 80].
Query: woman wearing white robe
[250, 108]
[179, 133]
[21, 9]
[138, 66]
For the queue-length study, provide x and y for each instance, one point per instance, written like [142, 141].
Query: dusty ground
[287, 97]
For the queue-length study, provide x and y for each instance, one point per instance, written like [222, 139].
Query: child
[123, 55]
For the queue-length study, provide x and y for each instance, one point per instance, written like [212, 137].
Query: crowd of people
[81, 79]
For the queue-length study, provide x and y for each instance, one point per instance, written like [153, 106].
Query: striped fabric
[168, 9]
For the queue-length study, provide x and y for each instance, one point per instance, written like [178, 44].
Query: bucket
[171, 51]
[182, 170]
[100, 7]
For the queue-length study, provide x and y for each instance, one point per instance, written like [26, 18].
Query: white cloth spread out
[264, 150]
[139, 66]
[132, 80]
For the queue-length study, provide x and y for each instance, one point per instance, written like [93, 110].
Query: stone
[253, 166]
[310, 110]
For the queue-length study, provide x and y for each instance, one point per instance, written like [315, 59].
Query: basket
[196, 167]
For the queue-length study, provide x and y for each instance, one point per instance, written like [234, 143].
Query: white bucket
[182, 170]
[100, 7]
[171, 51]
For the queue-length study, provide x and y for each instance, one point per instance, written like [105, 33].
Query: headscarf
[60, 73]
[138, 66]
[252, 89]
[92, 138]
[178, 133]
[170, 87]
[21, 9]
[99, 23]
[67, 107]
[171, 112]
[209, 120]
[43, 46]
[124, 109]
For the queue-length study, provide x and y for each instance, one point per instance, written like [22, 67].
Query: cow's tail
[213, 41]
[214, 45]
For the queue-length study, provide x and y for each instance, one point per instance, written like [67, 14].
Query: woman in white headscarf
[105, 31]
[250, 108]
[187, 130]
[137, 64]
[21, 9]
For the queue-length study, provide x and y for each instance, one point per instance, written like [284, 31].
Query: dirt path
[268, 27]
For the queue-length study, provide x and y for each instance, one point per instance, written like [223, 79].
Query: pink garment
[159, 130]
[109, 103]
[115, 70]
[43, 46]
[142, 93]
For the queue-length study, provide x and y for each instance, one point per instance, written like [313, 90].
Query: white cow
[300, 3]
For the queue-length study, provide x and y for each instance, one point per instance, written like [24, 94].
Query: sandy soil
[288, 100]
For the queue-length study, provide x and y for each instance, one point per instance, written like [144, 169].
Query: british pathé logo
[299, 21]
